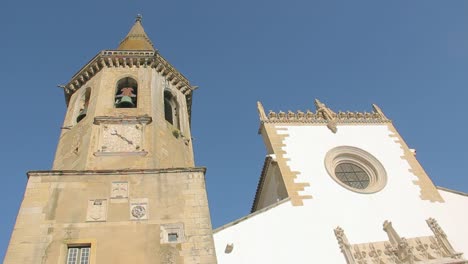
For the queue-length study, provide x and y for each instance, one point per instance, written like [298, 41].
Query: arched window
[126, 93]
[171, 109]
[83, 104]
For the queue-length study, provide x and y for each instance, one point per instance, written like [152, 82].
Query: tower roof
[136, 38]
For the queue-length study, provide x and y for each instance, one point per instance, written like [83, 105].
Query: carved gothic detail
[400, 250]
[327, 114]
[323, 115]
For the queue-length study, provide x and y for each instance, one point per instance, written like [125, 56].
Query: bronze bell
[81, 115]
[125, 102]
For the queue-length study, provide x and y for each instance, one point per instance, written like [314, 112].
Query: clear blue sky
[409, 57]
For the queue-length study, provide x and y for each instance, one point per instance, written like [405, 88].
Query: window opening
[352, 175]
[78, 255]
[355, 169]
[170, 109]
[83, 105]
[172, 237]
[126, 94]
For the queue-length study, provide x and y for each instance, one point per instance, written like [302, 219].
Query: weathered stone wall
[167, 145]
[58, 210]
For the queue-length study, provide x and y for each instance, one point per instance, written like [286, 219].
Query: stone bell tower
[123, 187]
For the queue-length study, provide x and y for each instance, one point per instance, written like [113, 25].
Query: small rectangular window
[172, 237]
[78, 255]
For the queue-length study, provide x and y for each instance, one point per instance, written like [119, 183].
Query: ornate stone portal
[399, 250]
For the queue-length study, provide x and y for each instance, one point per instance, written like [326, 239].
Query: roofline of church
[322, 115]
[261, 181]
[113, 172]
[452, 191]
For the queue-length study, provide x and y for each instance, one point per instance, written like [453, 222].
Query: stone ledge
[113, 172]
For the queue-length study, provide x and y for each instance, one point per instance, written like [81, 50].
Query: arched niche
[83, 103]
[171, 108]
[126, 95]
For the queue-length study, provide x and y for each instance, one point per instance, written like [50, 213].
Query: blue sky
[409, 57]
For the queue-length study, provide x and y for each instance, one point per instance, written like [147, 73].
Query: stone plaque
[97, 210]
[119, 189]
[139, 209]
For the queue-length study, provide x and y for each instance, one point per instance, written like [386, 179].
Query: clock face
[121, 138]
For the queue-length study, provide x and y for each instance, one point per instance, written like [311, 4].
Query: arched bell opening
[171, 109]
[83, 105]
[126, 93]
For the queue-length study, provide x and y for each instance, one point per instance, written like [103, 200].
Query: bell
[81, 115]
[125, 102]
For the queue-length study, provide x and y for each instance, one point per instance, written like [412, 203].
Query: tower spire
[136, 38]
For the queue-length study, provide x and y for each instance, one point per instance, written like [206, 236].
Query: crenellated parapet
[323, 115]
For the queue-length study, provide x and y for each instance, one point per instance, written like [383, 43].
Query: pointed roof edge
[136, 39]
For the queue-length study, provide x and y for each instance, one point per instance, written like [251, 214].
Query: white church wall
[301, 234]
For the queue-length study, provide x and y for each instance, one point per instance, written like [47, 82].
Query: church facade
[344, 188]
[335, 187]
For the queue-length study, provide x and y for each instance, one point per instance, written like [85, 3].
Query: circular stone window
[355, 169]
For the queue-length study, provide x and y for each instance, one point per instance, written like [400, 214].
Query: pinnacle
[136, 38]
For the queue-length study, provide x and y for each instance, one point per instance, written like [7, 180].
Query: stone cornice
[323, 115]
[129, 58]
[113, 172]
[119, 119]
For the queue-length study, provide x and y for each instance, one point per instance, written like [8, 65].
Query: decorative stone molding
[327, 114]
[122, 119]
[442, 238]
[363, 159]
[113, 172]
[399, 250]
[323, 115]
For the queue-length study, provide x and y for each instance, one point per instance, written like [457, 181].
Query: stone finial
[393, 236]
[327, 114]
[442, 238]
[344, 244]
[261, 111]
[379, 111]
[138, 18]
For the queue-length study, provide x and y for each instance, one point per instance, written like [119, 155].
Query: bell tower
[123, 187]
[127, 108]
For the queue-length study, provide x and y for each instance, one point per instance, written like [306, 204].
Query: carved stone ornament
[139, 209]
[323, 115]
[119, 190]
[399, 250]
[97, 210]
[327, 114]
